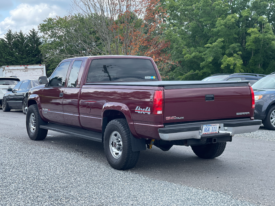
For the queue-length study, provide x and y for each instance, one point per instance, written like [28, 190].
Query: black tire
[24, 105]
[268, 120]
[209, 151]
[127, 159]
[37, 133]
[5, 106]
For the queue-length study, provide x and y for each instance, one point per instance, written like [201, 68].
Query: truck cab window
[121, 70]
[58, 77]
[72, 82]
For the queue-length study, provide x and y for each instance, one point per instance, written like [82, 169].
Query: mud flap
[138, 144]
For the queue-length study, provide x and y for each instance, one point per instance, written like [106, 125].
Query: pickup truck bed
[143, 111]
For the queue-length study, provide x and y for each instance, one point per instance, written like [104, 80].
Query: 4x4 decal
[143, 111]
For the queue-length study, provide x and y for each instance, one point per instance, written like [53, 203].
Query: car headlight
[258, 97]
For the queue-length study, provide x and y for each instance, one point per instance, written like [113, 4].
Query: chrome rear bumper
[194, 130]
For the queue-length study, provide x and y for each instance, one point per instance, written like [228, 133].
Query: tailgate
[207, 102]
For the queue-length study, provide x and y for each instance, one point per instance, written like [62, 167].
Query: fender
[137, 143]
[121, 108]
[36, 98]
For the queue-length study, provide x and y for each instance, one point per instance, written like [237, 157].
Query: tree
[67, 37]
[128, 27]
[20, 49]
[215, 36]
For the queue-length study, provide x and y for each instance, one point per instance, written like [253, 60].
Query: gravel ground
[262, 134]
[33, 173]
[65, 170]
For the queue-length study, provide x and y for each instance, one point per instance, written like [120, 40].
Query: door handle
[209, 97]
[61, 94]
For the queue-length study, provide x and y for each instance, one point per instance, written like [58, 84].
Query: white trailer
[23, 71]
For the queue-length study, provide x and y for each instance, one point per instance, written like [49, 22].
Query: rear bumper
[193, 130]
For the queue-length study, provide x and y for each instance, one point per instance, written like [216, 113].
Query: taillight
[252, 97]
[158, 102]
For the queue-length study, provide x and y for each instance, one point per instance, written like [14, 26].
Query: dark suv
[252, 78]
[265, 101]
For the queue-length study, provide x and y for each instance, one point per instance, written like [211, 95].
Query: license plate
[210, 129]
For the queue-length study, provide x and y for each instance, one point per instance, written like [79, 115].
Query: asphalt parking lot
[66, 170]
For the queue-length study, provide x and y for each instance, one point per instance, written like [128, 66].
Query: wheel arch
[34, 99]
[268, 108]
[114, 110]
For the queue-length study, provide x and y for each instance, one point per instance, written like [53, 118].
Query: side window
[16, 87]
[235, 79]
[58, 77]
[74, 74]
[25, 86]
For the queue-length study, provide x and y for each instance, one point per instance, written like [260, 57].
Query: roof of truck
[111, 56]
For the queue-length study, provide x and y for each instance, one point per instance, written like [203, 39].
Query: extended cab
[122, 102]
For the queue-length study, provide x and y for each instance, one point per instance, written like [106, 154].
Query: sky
[24, 15]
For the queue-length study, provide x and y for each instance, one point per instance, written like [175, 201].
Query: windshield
[267, 82]
[8, 82]
[215, 78]
[35, 83]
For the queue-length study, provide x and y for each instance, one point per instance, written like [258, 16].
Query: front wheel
[209, 151]
[5, 106]
[33, 122]
[269, 121]
[117, 145]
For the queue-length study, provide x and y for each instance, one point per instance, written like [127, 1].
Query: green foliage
[68, 37]
[20, 49]
[220, 36]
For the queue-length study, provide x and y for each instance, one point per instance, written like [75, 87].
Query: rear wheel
[209, 151]
[33, 123]
[269, 121]
[5, 106]
[117, 145]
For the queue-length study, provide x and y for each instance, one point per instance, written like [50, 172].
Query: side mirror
[9, 89]
[42, 80]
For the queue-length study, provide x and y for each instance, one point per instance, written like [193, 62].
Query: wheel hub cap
[32, 123]
[115, 144]
[272, 118]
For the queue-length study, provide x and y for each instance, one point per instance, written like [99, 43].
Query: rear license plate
[210, 129]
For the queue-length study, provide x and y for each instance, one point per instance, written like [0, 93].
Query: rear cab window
[121, 70]
[72, 81]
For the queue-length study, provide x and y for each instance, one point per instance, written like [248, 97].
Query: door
[71, 94]
[19, 96]
[11, 97]
[52, 96]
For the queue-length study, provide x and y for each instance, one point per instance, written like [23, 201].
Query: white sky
[27, 14]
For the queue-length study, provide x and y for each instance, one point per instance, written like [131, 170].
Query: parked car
[122, 102]
[5, 83]
[252, 78]
[17, 97]
[265, 101]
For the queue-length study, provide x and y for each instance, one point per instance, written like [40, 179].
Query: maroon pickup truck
[122, 102]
